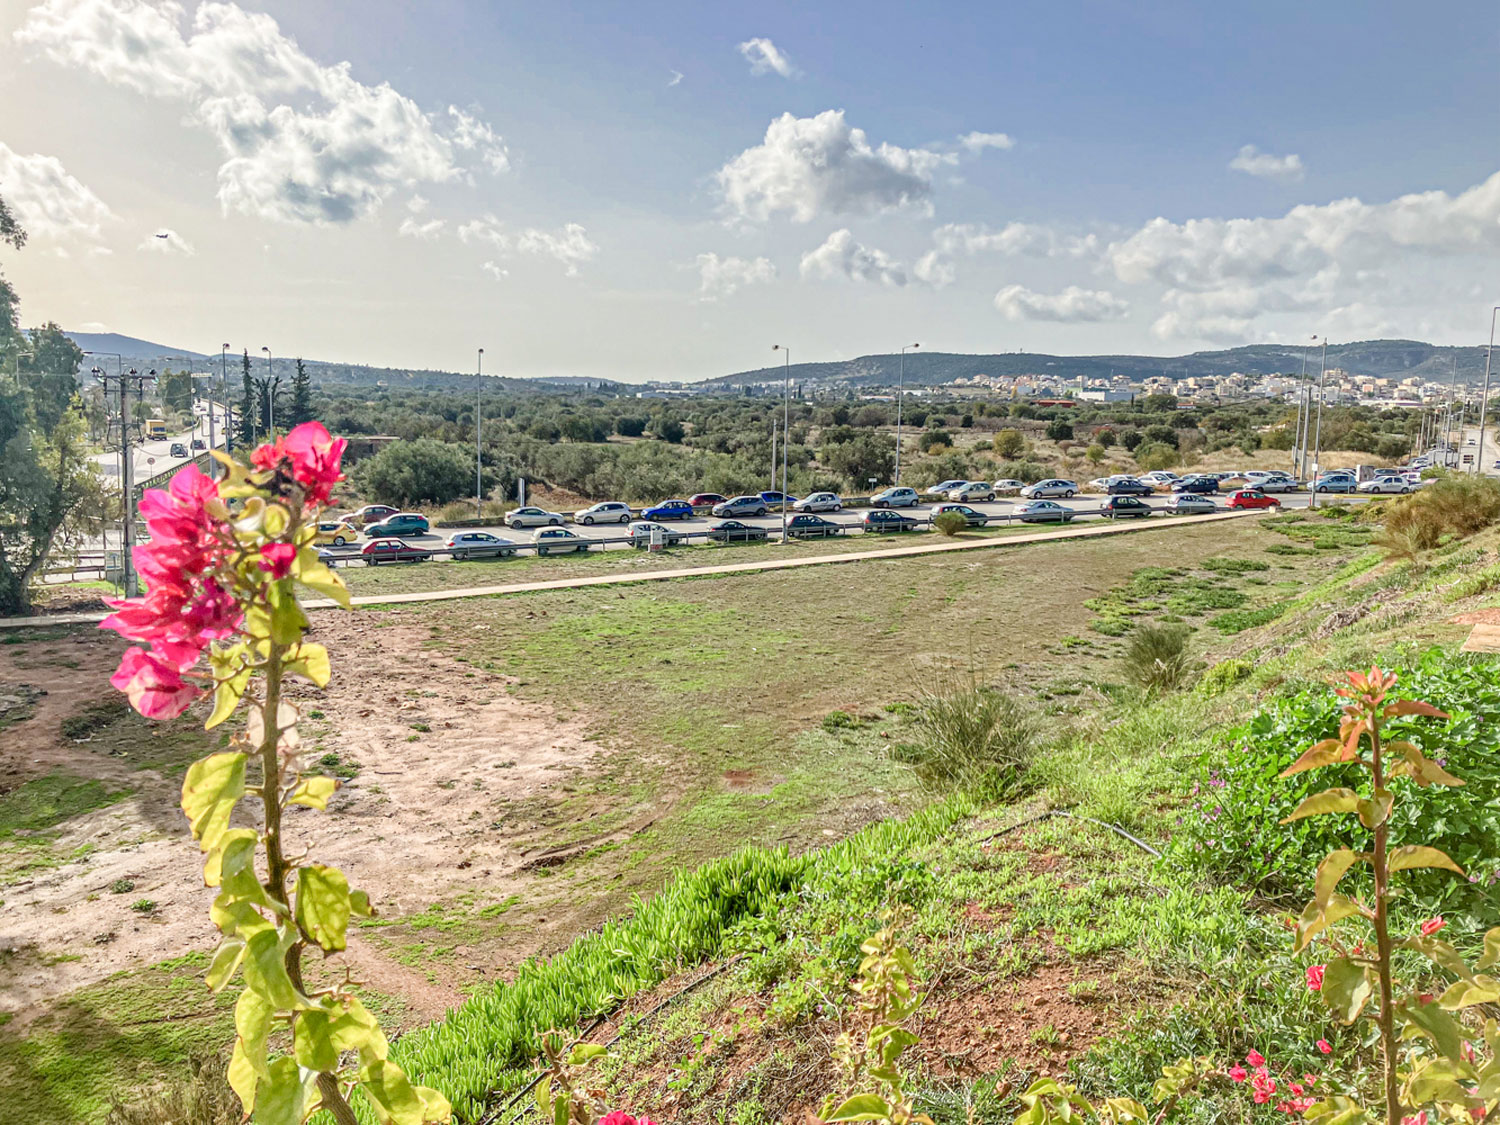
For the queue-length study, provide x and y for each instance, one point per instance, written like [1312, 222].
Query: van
[156, 429]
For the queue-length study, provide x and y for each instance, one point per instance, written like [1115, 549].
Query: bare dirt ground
[421, 821]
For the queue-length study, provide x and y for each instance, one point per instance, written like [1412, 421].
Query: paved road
[153, 457]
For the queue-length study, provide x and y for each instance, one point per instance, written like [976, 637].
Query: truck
[156, 429]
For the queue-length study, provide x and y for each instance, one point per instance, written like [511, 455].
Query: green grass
[45, 802]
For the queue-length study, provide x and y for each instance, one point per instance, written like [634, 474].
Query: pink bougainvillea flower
[1264, 1086]
[1478, 1113]
[153, 683]
[309, 455]
[276, 559]
[1238, 1073]
[1325, 1046]
[1432, 926]
[1314, 978]
[1418, 1118]
[1255, 1058]
[617, 1117]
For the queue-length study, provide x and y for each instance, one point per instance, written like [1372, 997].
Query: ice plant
[220, 616]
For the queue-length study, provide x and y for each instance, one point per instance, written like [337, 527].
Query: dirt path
[438, 752]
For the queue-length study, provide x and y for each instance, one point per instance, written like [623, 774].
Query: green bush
[1221, 565]
[836, 721]
[1230, 824]
[1156, 657]
[1223, 676]
[949, 523]
[968, 733]
[1455, 505]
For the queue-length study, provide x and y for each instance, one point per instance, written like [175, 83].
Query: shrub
[1221, 565]
[836, 721]
[1223, 676]
[1455, 505]
[204, 1099]
[949, 523]
[1154, 455]
[969, 733]
[1156, 657]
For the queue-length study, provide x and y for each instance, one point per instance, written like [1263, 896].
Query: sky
[665, 190]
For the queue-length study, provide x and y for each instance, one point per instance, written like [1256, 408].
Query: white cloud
[676, 78]
[809, 166]
[48, 202]
[416, 204]
[167, 241]
[301, 141]
[569, 244]
[978, 142]
[1014, 239]
[495, 270]
[1072, 306]
[1266, 165]
[935, 269]
[414, 228]
[719, 277]
[842, 257]
[765, 57]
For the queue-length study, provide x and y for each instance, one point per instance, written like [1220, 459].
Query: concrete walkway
[1133, 526]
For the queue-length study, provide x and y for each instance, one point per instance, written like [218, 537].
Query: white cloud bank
[48, 201]
[765, 57]
[569, 244]
[720, 277]
[1073, 305]
[810, 166]
[1267, 166]
[301, 141]
[841, 256]
[976, 143]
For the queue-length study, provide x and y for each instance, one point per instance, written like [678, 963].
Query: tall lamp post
[478, 472]
[1484, 401]
[270, 395]
[1303, 413]
[1318, 429]
[786, 426]
[224, 395]
[900, 397]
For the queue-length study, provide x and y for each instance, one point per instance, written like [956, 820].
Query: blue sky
[1087, 177]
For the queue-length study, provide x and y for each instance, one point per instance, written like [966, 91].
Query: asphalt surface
[154, 457]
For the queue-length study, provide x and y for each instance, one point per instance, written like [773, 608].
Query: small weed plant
[1156, 658]
[970, 733]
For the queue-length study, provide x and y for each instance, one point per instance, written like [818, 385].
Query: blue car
[1202, 484]
[1336, 483]
[669, 510]
[774, 499]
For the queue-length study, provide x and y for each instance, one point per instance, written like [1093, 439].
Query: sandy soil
[414, 826]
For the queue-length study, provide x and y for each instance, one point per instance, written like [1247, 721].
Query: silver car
[641, 530]
[973, 492]
[740, 506]
[1190, 504]
[559, 541]
[895, 498]
[1044, 489]
[1009, 487]
[479, 545]
[611, 511]
[819, 502]
[533, 517]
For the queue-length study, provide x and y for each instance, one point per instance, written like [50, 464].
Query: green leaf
[1316, 919]
[287, 617]
[288, 1095]
[1346, 988]
[391, 1096]
[1413, 856]
[1331, 870]
[226, 960]
[228, 849]
[265, 969]
[1424, 771]
[210, 791]
[1328, 801]
[1377, 809]
[312, 1041]
[311, 662]
[1467, 993]
[1120, 1110]
[861, 1107]
[319, 577]
[313, 792]
[359, 904]
[323, 905]
[1491, 949]
[583, 1052]
[252, 1025]
[232, 676]
[1436, 1024]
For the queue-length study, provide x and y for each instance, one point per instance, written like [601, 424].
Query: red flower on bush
[1432, 926]
[1255, 1058]
[309, 456]
[276, 559]
[620, 1117]
[1264, 1086]
[1314, 978]
[1238, 1073]
[1325, 1046]
[153, 683]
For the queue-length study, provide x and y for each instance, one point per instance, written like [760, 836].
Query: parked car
[337, 532]
[971, 516]
[776, 499]
[733, 531]
[1160, 476]
[1335, 482]
[402, 523]
[1202, 483]
[1125, 508]
[1130, 487]
[199, 443]
[706, 499]
[669, 510]
[741, 506]
[1276, 483]
[896, 498]
[976, 491]
[1252, 498]
[1101, 484]
[1386, 484]
[1008, 487]
[373, 513]
[942, 488]
[610, 511]
[1044, 511]
[883, 519]
[392, 550]
[1054, 487]
[640, 534]
[479, 545]
[812, 527]
[1190, 504]
[820, 502]
[559, 541]
[533, 517]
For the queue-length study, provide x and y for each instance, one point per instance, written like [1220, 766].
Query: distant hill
[1375, 358]
[129, 348]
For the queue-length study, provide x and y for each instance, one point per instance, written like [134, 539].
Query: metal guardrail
[160, 479]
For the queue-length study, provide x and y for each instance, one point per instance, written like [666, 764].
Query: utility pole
[1484, 401]
[270, 396]
[224, 394]
[900, 398]
[124, 382]
[478, 472]
[1318, 430]
[786, 427]
[1304, 392]
[774, 424]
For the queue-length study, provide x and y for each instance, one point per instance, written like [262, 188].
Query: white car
[942, 487]
[641, 530]
[1056, 486]
[973, 492]
[533, 517]
[479, 545]
[819, 502]
[611, 511]
[1386, 484]
[1009, 487]
[559, 541]
[1160, 476]
[1190, 504]
[895, 498]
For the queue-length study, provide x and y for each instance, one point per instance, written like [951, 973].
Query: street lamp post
[900, 397]
[1318, 428]
[786, 426]
[1484, 400]
[1304, 414]
[224, 394]
[478, 472]
[270, 395]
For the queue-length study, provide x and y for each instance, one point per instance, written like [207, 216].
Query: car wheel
[838, 507]
[1068, 494]
[338, 540]
[624, 519]
[761, 513]
[459, 556]
[1404, 491]
[587, 521]
[555, 523]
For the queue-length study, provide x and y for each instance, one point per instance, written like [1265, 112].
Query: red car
[392, 550]
[1252, 498]
[705, 499]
